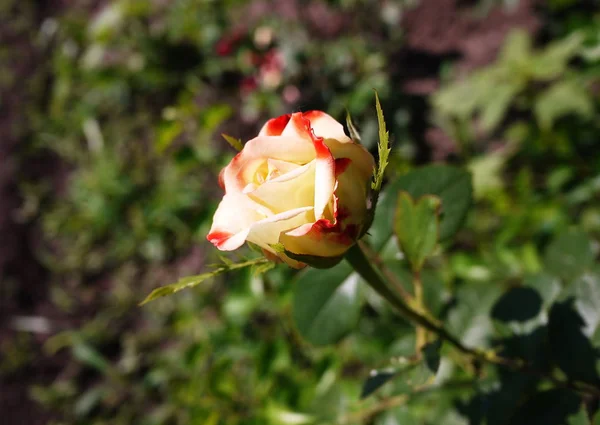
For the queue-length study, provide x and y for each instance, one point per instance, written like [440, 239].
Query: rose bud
[298, 190]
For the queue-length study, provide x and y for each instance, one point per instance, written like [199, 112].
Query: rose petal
[243, 167]
[322, 239]
[232, 221]
[326, 126]
[275, 126]
[298, 127]
[239, 218]
[324, 177]
[362, 161]
[288, 191]
[279, 167]
[267, 232]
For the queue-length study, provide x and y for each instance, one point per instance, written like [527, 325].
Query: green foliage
[522, 79]
[127, 112]
[414, 372]
[233, 142]
[451, 185]
[320, 296]
[383, 148]
[417, 227]
[191, 281]
[569, 255]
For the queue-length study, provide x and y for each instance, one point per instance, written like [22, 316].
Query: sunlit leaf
[383, 148]
[416, 226]
[569, 255]
[327, 303]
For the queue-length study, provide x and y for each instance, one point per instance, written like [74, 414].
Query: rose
[298, 190]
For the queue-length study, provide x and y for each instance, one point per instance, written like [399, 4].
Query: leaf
[553, 61]
[416, 226]
[191, 281]
[469, 318]
[88, 401]
[88, 355]
[546, 285]
[277, 414]
[487, 172]
[493, 111]
[413, 372]
[518, 304]
[354, 134]
[562, 98]
[235, 143]
[326, 303]
[452, 185]
[167, 133]
[580, 418]
[383, 149]
[517, 47]
[551, 407]
[312, 260]
[431, 354]
[569, 254]
[570, 348]
[586, 291]
[401, 415]
[376, 379]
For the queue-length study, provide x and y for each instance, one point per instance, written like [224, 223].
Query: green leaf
[546, 285]
[580, 418]
[191, 281]
[571, 350]
[312, 260]
[412, 373]
[554, 60]
[401, 415]
[431, 354]
[416, 225]
[469, 318]
[167, 133]
[235, 143]
[518, 304]
[586, 291]
[452, 186]
[487, 172]
[88, 355]
[327, 303]
[551, 407]
[383, 148]
[563, 98]
[517, 48]
[376, 379]
[500, 98]
[354, 134]
[596, 420]
[569, 255]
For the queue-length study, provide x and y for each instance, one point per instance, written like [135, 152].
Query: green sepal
[315, 261]
[354, 134]
[235, 143]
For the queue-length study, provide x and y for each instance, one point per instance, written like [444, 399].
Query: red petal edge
[217, 238]
[341, 164]
[275, 126]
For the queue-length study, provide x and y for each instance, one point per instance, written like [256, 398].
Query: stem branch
[414, 311]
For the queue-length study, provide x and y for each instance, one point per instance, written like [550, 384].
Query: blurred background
[110, 121]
